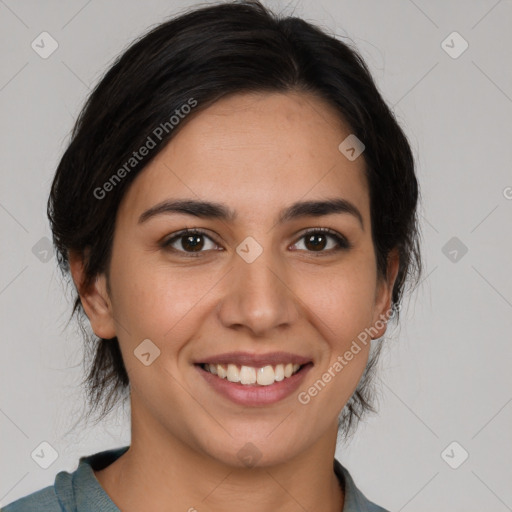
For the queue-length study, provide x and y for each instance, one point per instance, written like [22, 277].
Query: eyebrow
[213, 210]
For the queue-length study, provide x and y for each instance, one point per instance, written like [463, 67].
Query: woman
[237, 210]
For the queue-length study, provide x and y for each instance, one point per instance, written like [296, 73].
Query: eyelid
[341, 241]
[167, 241]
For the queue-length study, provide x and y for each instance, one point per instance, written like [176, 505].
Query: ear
[95, 299]
[384, 295]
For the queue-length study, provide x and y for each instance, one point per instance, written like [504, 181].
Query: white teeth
[233, 374]
[266, 376]
[248, 375]
[221, 371]
[279, 373]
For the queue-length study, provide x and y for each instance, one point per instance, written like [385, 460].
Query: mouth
[253, 386]
[250, 375]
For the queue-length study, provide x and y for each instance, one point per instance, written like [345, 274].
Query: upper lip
[255, 360]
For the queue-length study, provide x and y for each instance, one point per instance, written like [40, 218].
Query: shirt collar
[82, 492]
[354, 499]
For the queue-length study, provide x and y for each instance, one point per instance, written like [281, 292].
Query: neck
[161, 473]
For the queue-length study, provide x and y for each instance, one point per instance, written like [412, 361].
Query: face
[254, 283]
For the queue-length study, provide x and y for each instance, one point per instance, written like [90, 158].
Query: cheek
[341, 310]
[155, 301]
[342, 304]
[342, 301]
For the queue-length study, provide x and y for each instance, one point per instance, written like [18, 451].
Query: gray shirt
[80, 491]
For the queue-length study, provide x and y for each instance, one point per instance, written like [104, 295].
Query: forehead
[256, 153]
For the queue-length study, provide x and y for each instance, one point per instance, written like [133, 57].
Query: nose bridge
[257, 296]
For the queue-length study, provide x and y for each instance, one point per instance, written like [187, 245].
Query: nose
[258, 296]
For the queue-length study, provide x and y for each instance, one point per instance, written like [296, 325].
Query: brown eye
[194, 242]
[317, 239]
[188, 242]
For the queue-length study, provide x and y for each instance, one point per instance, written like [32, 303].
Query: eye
[316, 240]
[191, 242]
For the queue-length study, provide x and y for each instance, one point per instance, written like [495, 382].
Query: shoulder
[355, 500]
[79, 490]
[43, 500]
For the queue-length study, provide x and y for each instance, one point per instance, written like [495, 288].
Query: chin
[253, 450]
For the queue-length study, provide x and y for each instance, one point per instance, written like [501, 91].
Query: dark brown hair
[208, 53]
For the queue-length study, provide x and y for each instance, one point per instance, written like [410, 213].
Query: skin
[257, 153]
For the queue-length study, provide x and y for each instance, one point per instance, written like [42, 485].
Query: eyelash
[341, 241]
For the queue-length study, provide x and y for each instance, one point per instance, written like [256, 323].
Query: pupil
[315, 245]
[312, 241]
[194, 240]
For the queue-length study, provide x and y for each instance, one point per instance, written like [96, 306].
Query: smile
[247, 375]
[263, 386]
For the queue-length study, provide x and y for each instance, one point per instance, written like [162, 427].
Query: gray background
[445, 375]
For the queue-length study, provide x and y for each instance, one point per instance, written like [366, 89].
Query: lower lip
[254, 394]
